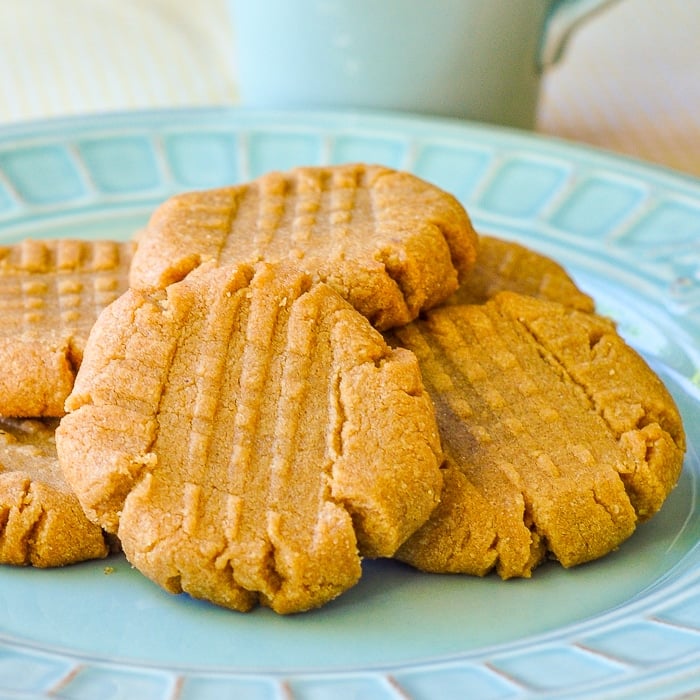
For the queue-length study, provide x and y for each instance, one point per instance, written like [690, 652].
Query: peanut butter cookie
[388, 242]
[558, 437]
[249, 436]
[503, 265]
[41, 521]
[50, 295]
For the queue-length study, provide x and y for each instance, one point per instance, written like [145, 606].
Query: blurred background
[629, 81]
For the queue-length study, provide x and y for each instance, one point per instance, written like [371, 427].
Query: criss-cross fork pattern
[51, 293]
[252, 436]
[386, 241]
[559, 439]
[57, 288]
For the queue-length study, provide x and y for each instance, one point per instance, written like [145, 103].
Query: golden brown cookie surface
[50, 295]
[503, 265]
[558, 436]
[249, 435]
[41, 521]
[388, 242]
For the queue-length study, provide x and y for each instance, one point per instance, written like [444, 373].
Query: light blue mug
[474, 59]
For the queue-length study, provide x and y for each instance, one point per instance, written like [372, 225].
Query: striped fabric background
[630, 81]
[62, 57]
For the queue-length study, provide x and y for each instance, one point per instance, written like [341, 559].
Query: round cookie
[503, 265]
[558, 437]
[249, 437]
[387, 241]
[51, 292]
[41, 521]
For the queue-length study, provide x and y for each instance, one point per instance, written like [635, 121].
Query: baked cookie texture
[385, 240]
[249, 437]
[504, 265]
[558, 437]
[41, 521]
[51, 292]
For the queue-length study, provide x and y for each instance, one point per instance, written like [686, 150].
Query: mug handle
[563, 18]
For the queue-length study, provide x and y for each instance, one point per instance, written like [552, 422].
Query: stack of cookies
[315, 367]
[51, 293]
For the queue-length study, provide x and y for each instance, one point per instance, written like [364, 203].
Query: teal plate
[627, 626]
